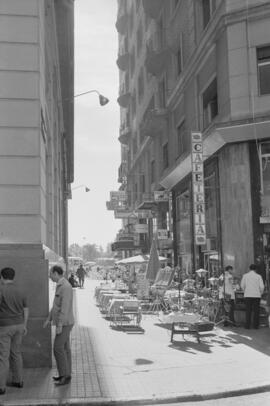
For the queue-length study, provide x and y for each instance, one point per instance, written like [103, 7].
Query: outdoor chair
[128, 314]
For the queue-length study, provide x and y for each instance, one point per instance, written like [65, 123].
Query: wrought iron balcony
[154, 122]
[152, 8]
[123, 61]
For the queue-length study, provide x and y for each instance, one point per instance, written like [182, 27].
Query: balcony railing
[154, 122]
[152, 8]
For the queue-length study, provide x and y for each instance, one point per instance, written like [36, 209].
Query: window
[208, 8]
[134, 145]
[179, 56]
[141, 85]
[263, 61]
[181, 132]
[210, 104]
[162, 93]
[133, 105]
[153, 171]
[139, 39]
[142, 183]
[165, 156]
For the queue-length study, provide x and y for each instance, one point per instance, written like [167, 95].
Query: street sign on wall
[198, 188]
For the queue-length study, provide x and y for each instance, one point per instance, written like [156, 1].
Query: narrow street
[143, 366]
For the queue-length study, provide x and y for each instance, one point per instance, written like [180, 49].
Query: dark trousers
[229, 310]
[252, 305]
[62, 352]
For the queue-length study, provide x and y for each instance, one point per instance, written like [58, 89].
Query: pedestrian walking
[13, 325]
[61, 315]
[81, 275]
[253, 287]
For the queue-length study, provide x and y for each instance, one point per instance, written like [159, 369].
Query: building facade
[36, 160]
[198, 66]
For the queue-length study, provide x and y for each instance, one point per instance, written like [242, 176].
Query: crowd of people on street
[14, 315]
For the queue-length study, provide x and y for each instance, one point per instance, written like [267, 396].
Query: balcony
[157, 60]
[122, 24]
[125, 134]
[124, 99]
[152, 8]
[123, 61]
[154, 122]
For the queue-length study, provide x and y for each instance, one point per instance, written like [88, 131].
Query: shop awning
[217, 138]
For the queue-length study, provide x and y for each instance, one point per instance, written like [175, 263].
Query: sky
[96, 145]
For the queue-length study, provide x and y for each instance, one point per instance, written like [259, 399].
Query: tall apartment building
[36, 143]
[197, 66]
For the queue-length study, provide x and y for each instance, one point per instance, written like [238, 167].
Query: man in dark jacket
[13, 321]
[81, 275]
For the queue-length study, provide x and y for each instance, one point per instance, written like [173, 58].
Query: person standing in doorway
[13, 325]
[62, 317]
[253, 287]
[81, 275]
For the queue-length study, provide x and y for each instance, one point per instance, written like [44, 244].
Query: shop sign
[141, 228]
[122, 214]
[198, 188]
[162, 234]
[161, 196]
[119, 195]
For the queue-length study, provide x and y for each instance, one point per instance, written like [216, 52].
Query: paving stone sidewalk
[143, 367]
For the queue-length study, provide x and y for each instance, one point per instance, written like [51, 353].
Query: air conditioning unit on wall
[211, 245]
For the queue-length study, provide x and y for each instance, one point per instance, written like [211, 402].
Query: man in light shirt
[62, 317]
[253, 287]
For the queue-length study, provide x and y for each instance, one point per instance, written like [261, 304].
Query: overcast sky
[97, 149]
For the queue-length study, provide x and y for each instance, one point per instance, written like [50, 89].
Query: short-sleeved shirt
[12, 303]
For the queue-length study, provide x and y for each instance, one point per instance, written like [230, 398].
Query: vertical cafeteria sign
[198, 188]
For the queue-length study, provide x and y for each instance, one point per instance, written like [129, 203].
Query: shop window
[210, 104]
[208, 8]
[181, 135]
[263, 62]
[153, 171]
[165, 156]
[265, 178]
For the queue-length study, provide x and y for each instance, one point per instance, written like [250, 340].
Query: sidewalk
[112, 367]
